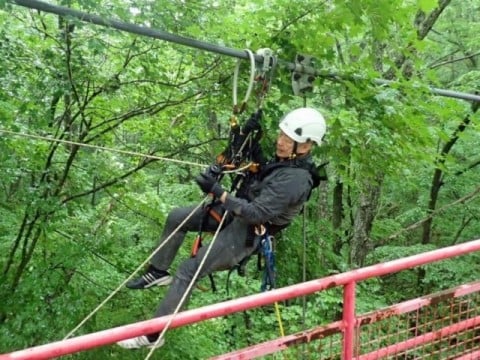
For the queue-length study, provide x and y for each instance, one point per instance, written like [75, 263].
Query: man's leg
[227, 251]
[157, 272]
[164, 257]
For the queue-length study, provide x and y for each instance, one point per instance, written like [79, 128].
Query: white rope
[192, 282]
[251, 80]
[39, 137]
[240, 169]
[133, 274]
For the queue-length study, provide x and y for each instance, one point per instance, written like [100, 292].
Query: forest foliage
[103, 131]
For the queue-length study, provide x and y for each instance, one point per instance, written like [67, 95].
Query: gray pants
[228, 250]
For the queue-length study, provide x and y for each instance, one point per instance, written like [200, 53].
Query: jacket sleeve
[280, 190]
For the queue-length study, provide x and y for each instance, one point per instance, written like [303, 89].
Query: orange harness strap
[215, 215]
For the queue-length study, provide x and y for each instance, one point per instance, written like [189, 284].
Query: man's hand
[253, 123]
[209, 184]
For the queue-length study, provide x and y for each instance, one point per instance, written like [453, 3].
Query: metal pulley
[301, 81]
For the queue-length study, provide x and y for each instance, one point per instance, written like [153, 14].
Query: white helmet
[303, 125]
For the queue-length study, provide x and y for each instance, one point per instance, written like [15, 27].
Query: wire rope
[163, 35]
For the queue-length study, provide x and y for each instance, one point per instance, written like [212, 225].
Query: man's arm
[282, 189]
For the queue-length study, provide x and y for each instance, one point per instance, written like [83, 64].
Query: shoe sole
[136, 347]
[164, 281]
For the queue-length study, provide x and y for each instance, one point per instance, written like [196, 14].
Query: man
[273, 198]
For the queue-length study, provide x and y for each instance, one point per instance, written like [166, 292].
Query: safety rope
[126, 152]
[236, 108]
[189, 288]
[141, 266]
[279, 319]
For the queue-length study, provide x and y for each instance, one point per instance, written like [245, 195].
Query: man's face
[284, 145]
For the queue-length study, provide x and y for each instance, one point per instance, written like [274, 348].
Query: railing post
[348, 320]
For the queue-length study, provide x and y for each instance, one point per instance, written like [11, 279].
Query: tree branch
[464, 199]
[455, 60]
[426, 25]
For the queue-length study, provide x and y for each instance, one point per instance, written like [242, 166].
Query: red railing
[347, 332]
[437, 326]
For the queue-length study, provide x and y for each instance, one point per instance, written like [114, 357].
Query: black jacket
[277, 193]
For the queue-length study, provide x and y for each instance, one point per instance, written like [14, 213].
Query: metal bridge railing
[444, 326]
[439, 326]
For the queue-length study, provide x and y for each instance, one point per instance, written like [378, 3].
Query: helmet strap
[293, 155]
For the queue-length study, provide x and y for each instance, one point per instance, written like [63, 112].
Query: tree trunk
[363, 221]
[437, 180]
[337, 216]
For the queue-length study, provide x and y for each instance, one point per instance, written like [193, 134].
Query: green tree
[75, 220]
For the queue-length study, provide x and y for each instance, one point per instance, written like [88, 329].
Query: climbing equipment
[269, 273]
[242, 145]
[301, 81]
[265, 76]
[266, 246]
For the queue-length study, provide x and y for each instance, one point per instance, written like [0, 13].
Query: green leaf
[427, 5]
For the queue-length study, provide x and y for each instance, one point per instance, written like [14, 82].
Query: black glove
[253, 123]
[214, 170]
[209, 184]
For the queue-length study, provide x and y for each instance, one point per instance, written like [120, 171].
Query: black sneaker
[151, 278]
